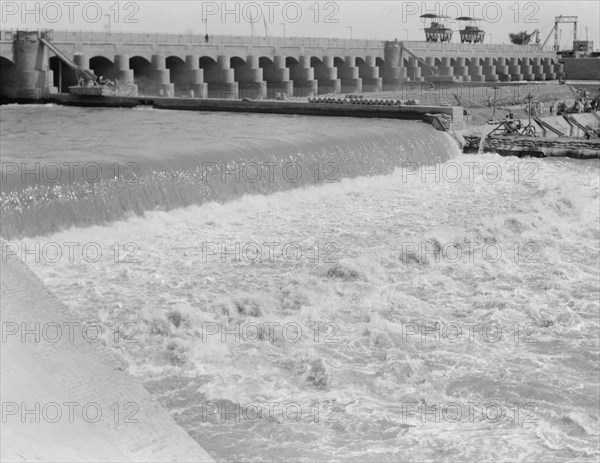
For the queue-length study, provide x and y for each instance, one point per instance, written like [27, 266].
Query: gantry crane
[557, 21]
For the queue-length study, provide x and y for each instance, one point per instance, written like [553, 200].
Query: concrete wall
[582, 69]
[76, 371]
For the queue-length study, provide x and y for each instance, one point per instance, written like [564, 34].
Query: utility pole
[496, 88]
[529, 130]
[108, 26]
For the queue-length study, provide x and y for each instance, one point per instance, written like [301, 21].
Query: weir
[244, 67]
[216, 171]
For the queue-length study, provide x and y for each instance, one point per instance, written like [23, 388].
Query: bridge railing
[125, 38]
[468, 47]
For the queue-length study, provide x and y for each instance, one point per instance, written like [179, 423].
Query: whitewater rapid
[374, 266]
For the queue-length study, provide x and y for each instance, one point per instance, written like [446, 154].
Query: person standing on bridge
[206, 38]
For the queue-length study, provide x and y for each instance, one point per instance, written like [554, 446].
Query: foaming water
[369, 287]
[130, 162]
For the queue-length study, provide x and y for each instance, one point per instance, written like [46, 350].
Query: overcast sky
[383, 20]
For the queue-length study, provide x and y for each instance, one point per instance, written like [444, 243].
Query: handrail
[199, 39]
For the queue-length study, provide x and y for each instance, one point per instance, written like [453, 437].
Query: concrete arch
[236, 61]
[178, 73]
[4, 61]
[103, 67]
[264, 61]
[315, 61]
[268, 66]
[238, 65]
[8, 83]
[142, 73]
[62, 75]
[291, 61]
[210, 67]
[293, 64]
[379, 62]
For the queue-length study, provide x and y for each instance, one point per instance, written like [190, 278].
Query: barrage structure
[244, 67]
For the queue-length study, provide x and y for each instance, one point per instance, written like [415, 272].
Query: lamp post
[406, 34]
[108, 27]
[283, 24]
[350, 27]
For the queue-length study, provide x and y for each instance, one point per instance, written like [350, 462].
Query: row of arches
[142, 68]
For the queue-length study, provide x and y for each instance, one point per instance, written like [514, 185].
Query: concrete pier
[198, 89]
[277, 76]
[475, 70]
[303, 75]
[369, 72]
[349, 76]
[30, 77]
[161, 77]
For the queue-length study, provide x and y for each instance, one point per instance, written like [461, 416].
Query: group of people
[512, 125]
[101, 82]
[538, 108]
[584, 103]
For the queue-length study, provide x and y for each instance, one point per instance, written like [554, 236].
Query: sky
[366, 19]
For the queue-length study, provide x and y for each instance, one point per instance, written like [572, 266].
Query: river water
[398, 301]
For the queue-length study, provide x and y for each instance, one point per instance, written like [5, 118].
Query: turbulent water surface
[428, 306]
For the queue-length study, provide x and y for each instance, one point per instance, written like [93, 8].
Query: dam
[37, 63]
